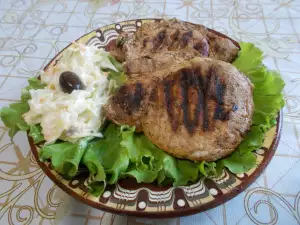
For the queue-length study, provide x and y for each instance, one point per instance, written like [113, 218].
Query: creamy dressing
[78, 114]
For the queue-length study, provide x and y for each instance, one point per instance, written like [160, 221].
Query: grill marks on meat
[176, 41]
[203, 81]
[193, 85]
[159, 39]
[186, 37]
[188, 81]
[170, 103]
[130, 98]
[220, 114]
[202, 47]
[175, 35]
[198, 110]
[184, 94]
[167, 42]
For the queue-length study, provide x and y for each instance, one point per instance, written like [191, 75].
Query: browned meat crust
[158, 45]
[199, 109]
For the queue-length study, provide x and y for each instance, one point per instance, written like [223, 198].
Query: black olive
[69, 81]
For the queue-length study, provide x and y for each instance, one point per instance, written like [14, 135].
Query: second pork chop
[157, 45]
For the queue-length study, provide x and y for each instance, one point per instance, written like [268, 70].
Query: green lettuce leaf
[268, 100]
[181, 171]
[253, 140]
[115, 63]
[207, 168]
[145, 158]
[12, 115]
[36, 133]
[107, 155]
[124, 153]
[149, 163]
[34, 83]
[118, 78]
[239, 162]
[268, 85]
[65, 156]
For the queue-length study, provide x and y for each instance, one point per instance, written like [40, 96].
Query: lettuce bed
[124, 153]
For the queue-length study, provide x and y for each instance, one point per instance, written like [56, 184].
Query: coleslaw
[79, 114]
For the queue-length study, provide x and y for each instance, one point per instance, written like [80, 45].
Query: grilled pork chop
[157, 45]
[199, 109]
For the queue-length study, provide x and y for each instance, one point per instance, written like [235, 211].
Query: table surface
[33, 31]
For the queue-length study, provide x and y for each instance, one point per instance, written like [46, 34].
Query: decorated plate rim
[161, 214]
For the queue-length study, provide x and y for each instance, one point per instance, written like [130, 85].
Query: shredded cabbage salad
[79, 114]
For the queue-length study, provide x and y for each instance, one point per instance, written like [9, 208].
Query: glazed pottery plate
[149, 200]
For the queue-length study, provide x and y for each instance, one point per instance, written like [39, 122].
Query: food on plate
[200, 109]
[162, 43]
[204, 105]
[69, 107]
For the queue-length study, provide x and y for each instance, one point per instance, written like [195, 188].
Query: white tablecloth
[33, 31]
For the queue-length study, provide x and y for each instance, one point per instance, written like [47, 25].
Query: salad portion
[63, 114]
[69, 106]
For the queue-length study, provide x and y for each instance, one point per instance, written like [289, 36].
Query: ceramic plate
[147, 200]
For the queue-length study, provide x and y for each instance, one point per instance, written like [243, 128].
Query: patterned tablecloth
[33, 31]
